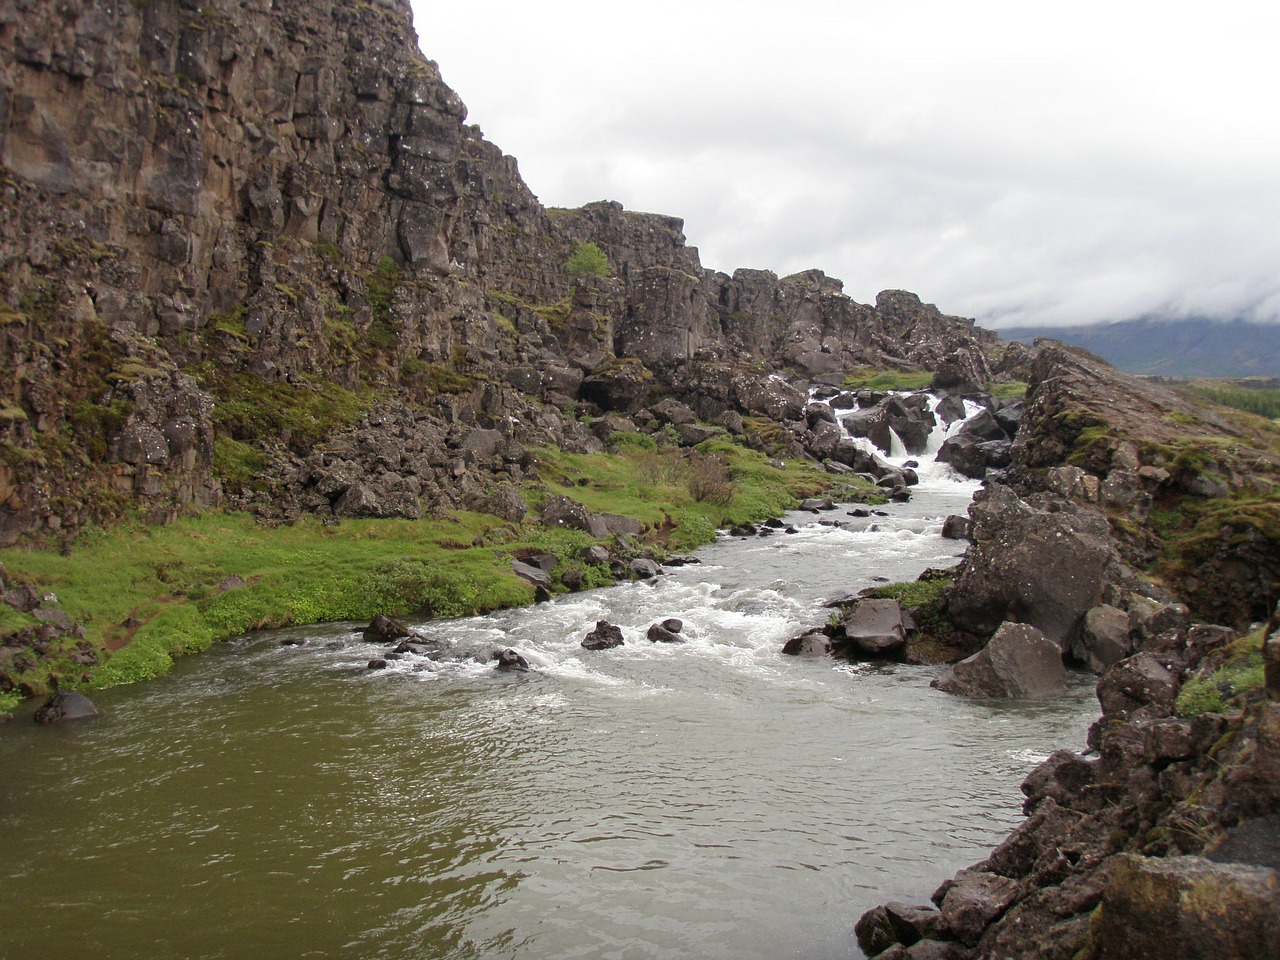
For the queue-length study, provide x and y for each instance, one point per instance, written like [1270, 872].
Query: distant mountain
[1173, 348]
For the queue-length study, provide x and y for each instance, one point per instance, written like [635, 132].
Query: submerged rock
[668, 631]
[509, 659]
[66, 705]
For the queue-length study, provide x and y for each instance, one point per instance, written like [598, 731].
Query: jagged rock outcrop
[1161, 844]
[238, 238]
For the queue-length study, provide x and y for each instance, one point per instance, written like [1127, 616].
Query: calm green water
[713, 799]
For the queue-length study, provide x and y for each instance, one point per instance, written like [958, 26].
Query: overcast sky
[1018, 162]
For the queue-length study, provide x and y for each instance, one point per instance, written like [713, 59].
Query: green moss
[1240, 675]
[870, 378]
[236, 463]
[1008, 389]
[913, 593]
[305, 412]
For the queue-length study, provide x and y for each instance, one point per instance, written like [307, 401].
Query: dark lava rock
[872, 628]
[1187, 907]
[1044, 564]
[603, 637]
[1134, 683]
[661, 633]
[643, 569]
[383, 630]
[377, 665]
[815, 643]
[535, 575]
[65, 705]
[973, 900]
[509, 659]
[1019, 662]
[896, 922]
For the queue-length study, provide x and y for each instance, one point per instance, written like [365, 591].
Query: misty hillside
[1177, 348]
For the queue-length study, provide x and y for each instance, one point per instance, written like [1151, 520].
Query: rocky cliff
[236, 232]
[1140, 533]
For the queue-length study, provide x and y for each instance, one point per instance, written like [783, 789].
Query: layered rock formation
[1126, 514]
[255, 250]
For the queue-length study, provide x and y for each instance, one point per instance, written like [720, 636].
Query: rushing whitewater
[710, 799]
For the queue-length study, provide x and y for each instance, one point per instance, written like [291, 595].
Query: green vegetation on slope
[1233, 678]
[1263, 402]
[870, 378]
[147, 594]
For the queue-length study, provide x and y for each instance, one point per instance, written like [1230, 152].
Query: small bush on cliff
[708, 480]
[587, 259]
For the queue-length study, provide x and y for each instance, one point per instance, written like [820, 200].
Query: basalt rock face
[234, 233]
[1189, 492]
[1161, 843]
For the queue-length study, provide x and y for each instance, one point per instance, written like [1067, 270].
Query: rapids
[709, 799]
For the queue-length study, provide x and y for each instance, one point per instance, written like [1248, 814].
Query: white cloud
[1016, 162]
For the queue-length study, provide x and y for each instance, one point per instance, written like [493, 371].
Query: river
[708, 799]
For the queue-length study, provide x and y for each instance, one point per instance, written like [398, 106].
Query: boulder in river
[604, 637]
[815, 643]
[871, 628]
[66, 705]
[1020, 662]
[643, 569]
[664, 633]
[383, 629]
[1042, 563]
[509, 659]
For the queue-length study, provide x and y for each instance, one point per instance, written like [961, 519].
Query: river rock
[643, 568]
[872, 628]
[973, 900]
[65, 705]
[955, 528]
[384, 629]
[1044, 564]
[1019, 663]
[1103, 638]
[1134, 683]
[661, 633]
[896, 923]
[510, 659]
[605, 636]
[814, 643]
[1188, 907]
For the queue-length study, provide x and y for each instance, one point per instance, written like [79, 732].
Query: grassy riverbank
[147, 594]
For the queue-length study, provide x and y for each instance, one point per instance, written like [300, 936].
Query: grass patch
[168, 579]
[151, 594]
[1008, 390]
[1260, 401]
[869, 378]
[913, 593]
[1240, 676]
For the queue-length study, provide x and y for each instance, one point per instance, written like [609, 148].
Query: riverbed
[708, 799]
